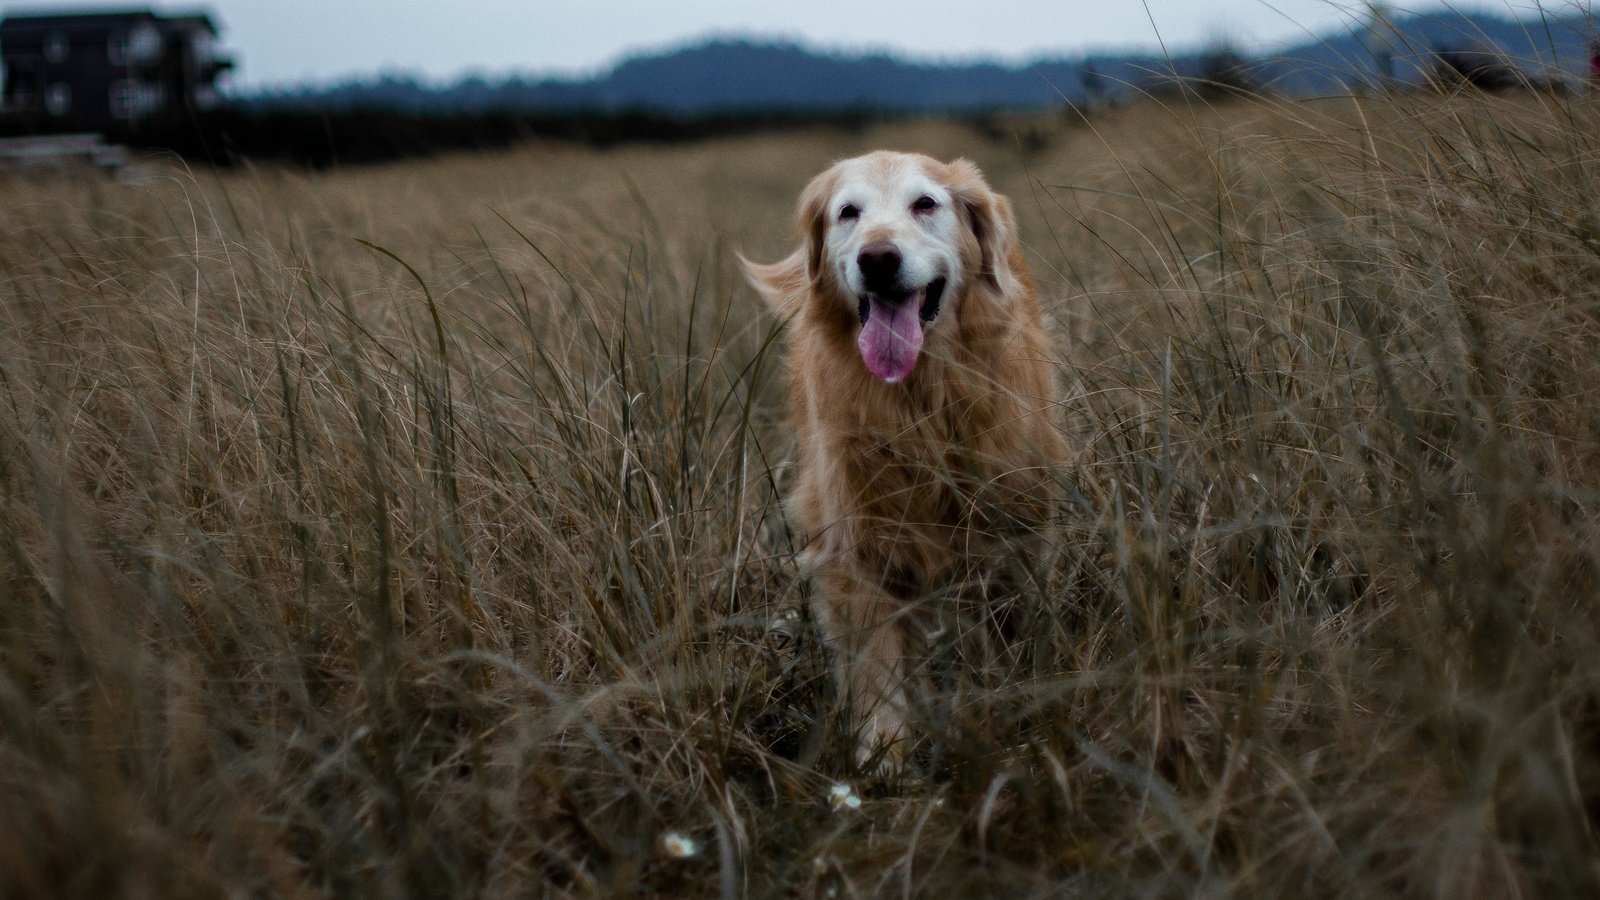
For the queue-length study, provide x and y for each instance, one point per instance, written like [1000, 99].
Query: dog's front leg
[867, 632]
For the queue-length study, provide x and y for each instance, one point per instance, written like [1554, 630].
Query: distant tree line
[726, 87]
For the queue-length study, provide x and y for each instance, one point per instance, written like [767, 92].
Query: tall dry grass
[413, 531]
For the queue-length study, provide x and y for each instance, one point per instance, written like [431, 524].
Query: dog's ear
[989, 216]
[813, 220]
[782, 284]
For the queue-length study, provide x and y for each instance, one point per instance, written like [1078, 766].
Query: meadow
[414, 530]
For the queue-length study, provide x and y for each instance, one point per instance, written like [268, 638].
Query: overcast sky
[282, 41]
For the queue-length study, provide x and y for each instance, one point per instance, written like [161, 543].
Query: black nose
[880, 267]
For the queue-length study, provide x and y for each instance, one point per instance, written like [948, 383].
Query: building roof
[52, 18]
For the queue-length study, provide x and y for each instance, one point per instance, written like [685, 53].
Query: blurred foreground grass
[412, 531]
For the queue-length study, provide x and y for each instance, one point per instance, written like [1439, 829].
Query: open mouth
[927, 308]
[891, 328]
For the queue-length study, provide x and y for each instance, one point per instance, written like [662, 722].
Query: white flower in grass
[678, 845]
[843, 796]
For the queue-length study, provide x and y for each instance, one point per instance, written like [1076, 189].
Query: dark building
[118, 72]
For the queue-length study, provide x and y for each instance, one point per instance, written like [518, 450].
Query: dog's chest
[920, 471]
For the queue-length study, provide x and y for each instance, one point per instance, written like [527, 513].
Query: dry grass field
[412, 531]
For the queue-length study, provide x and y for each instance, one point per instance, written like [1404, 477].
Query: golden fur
[907, 489]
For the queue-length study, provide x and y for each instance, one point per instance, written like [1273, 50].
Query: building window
[56, 47]
[202, 47]
[58, 99]
[140, 44]
[132, 99]
[144, 44]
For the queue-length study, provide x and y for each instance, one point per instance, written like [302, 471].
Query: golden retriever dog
[921, 396]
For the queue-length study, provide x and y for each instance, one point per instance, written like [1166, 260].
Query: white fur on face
[883, 190]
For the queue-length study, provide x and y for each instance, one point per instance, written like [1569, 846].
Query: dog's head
[892, 244]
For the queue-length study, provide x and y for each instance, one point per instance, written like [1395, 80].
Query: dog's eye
[849, 212]
[925, 204]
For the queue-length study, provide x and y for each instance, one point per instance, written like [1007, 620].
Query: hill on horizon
[735, 75]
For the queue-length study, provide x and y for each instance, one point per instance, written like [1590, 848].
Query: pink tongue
[891, 339]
